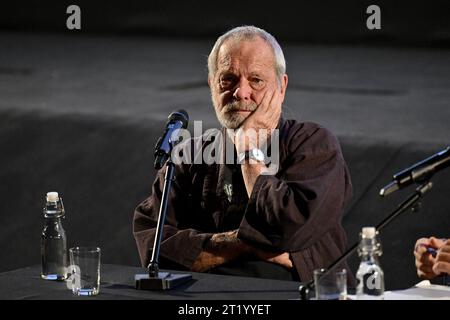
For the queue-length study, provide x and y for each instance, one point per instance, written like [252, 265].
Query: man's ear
[209, 82]
[284, 83]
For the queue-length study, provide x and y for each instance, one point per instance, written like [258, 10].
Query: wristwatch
[254, 154]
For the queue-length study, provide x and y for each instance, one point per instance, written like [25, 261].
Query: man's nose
[243, 90]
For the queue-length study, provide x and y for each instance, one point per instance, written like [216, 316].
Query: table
[117, 283]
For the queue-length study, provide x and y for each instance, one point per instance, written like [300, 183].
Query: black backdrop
[324, 21]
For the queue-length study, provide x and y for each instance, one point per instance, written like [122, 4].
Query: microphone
[419, 172]
[155, 280]
[177, 120]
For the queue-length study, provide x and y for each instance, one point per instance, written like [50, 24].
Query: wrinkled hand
[266, 116]
[227, 240]
[267, 113]
[426, 264]
[220, 249]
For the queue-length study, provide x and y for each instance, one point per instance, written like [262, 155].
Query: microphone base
[305, 291]
[164, 281]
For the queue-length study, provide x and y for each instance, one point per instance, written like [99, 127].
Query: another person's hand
[442, 263]
[425, 262]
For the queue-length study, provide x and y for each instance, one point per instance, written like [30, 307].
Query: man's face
[245, 72]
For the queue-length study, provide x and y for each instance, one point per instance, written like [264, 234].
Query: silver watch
[254, 154]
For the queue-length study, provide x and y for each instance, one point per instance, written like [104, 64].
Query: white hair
[248, 33]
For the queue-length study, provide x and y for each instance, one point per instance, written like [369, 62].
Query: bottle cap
[52, 196]
[369, 232]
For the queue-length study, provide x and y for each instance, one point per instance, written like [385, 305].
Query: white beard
[233, 120]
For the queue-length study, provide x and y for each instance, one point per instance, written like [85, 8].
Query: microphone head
[390, 188]
[179, 115]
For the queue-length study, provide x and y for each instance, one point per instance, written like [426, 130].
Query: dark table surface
[117, 282]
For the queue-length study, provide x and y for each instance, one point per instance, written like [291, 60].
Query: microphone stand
[156, 280]
[412, 202]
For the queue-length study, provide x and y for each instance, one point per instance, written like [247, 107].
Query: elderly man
[223, 215]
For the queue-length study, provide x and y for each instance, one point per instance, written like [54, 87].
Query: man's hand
[257, 129]
[220, 249]
[225, 247]
[282, 259]
[265, 117]
[225, 240]
[425, 262]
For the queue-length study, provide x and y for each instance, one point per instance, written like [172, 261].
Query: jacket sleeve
[299, 209]
[180, 246]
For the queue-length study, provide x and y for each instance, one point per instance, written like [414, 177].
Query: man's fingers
[267, 99]
[259, 109]
[282, 259]
[275, 103]
[275, 257]
[273, 96]
[266, 102]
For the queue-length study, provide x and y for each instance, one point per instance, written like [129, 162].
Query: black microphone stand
[156, 280]
[412, 202]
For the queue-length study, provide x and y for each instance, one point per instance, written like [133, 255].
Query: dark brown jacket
[298, 210]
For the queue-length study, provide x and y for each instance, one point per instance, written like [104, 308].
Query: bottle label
[372, 284]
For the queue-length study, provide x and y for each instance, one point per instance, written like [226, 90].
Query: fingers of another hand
[445, 248]
[424, 264]
[423, 256]
[426, 275]
[441, 267]
[422, 242]
[436, 243]
[425, 267]
[442, 257]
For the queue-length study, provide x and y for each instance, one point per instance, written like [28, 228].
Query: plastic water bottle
[53, 240]
[370, 276]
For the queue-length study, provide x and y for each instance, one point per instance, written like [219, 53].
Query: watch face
[254, 154]
[258, 154]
